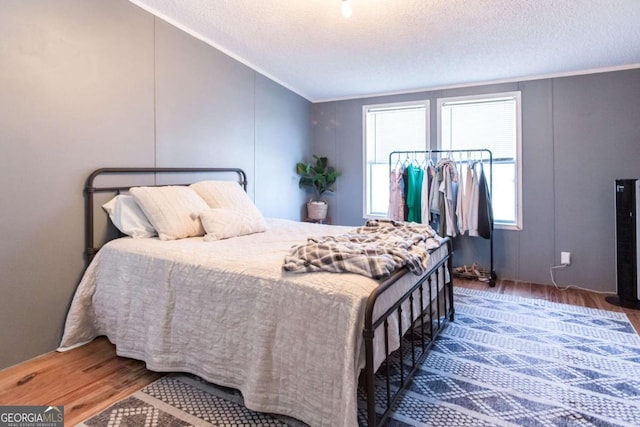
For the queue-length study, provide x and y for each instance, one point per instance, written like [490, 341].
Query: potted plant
[318, 176]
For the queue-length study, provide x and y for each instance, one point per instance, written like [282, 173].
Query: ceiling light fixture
[346, 9]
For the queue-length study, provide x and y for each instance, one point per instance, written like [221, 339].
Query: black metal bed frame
[419, 334]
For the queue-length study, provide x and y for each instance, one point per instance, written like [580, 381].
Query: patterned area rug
[505, 361]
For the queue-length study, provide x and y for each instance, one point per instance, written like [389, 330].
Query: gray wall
[579, 134]
[87, 84]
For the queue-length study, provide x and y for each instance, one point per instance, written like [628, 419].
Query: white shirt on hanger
[471, 201]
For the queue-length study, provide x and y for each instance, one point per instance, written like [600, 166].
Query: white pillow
[229, 194]
[173, 210]
[127, 216]
[222, 223]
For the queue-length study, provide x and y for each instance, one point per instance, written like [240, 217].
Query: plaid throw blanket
[374, 250]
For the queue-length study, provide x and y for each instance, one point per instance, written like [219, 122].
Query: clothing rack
[483, 154]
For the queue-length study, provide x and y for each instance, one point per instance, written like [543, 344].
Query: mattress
[226, 311]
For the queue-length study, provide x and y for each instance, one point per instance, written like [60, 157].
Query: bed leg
[369, 375]
[452, 311]
[450, 284]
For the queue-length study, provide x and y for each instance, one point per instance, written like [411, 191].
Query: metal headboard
[91, 189]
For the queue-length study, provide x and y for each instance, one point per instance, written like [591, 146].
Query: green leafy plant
[319, 176]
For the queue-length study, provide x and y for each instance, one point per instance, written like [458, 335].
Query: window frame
[517, 96]
[390, 106]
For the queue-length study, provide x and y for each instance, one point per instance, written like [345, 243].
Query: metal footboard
[415, 341]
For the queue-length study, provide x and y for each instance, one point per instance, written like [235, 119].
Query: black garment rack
[483, 154]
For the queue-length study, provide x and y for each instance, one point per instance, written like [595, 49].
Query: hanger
[398, 165]
[424, 163]
[414, 160]
[406, 160]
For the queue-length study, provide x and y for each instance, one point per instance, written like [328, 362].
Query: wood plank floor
[85, 380]
[90, 378]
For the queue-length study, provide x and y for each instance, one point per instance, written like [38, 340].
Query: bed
[294, 344]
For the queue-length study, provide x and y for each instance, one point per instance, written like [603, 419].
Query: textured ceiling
[392, 46]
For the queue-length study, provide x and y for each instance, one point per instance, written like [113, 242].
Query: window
[492, 122]
[387, 128]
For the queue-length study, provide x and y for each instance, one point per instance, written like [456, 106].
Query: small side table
[327, 220]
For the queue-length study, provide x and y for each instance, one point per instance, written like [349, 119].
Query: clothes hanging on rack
[438, 195]
[471, 200]
[455, 197]
[396, 202]
[461, 214]
[434, 197]
[477, 208]
[448, 178]
[405, 187]
[427, 180]
[485, 215]
[415, 175]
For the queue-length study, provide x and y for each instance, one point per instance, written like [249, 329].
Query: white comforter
[226, 311]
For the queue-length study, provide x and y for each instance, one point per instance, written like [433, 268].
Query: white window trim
[518, 97]
[365, 109]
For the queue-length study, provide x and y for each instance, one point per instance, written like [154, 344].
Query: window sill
[508, 227]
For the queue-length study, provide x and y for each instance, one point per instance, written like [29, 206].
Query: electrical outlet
[565, 258]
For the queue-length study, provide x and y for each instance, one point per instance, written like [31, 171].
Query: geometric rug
[508, 360]
[184, 400]
[505, 361]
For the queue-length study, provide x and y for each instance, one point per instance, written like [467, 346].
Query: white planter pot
[317, 210]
